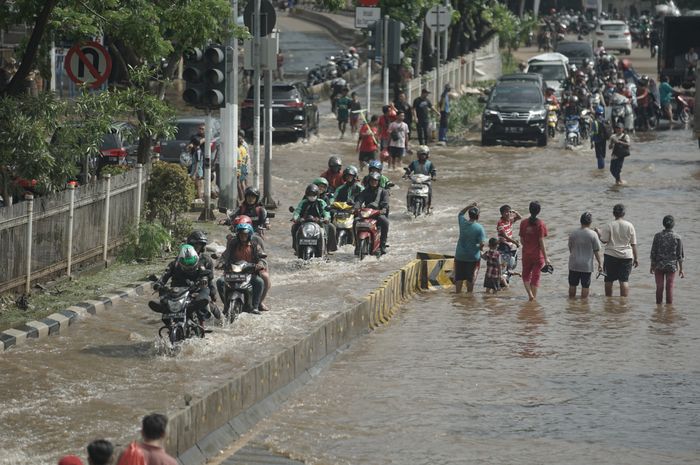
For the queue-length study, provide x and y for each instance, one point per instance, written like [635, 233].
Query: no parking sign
[88, 63]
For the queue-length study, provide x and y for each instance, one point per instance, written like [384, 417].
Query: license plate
[113, 158]
[235, 277]
[514, 130]
[307, 241]
[363, 224]
[613, 36]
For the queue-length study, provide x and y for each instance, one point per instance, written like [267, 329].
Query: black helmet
[335, 162]
[350, 170]
[374, 175]
[197, 237]
[252, 191]
[311, 189]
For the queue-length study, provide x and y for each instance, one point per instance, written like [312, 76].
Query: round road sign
[268, 17]
[88, 63]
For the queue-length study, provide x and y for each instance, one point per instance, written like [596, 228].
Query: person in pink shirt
[532, 234]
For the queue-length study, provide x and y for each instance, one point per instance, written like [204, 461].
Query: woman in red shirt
[532, 234]
[367, 144]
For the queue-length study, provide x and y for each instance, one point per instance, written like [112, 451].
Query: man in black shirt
[401, 104]
[422, 107]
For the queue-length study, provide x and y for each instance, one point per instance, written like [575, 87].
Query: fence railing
[458, 72]
[50, 235]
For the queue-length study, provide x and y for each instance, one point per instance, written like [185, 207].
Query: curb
[59, 321]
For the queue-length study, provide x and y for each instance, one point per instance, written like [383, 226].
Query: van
[553, 67]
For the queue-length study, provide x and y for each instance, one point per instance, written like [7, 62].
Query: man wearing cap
[620, 254]
[469, 246]
[422, 106]
[583, 246]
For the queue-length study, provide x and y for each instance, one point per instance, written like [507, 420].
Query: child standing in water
[492, 279]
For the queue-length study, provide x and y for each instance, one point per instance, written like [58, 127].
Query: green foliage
[464, 110]
[512, 30]
[169, 194]
[147, 242]
[114, 170]
[508, 64]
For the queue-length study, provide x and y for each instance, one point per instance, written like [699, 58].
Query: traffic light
[205, 77]
[375, 39]
[394, 55]
[193, 74]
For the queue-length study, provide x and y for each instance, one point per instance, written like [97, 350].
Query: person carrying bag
[620, 145]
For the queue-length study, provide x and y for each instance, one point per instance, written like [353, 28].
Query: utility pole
[256, 93]
[228, 153]
[267, 199]
[206, 214]
[385, 66]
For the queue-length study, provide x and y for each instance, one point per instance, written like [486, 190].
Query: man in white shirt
[398, 140]
[620, 254]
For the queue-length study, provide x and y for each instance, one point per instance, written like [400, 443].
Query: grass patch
[508, 64]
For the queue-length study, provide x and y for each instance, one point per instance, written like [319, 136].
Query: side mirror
[152, 277]
[291, 209]
[270, 214]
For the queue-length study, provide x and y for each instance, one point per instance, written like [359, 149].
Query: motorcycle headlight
[237, 268]
[364, 214]
[309, 229]
[537, 114]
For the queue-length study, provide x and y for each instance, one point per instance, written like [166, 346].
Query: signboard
[268, 17]
[88, 63]
[438, 17]
[364, 16]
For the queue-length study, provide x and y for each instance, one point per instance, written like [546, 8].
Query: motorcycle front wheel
[235, 311]
[364, 248]
[176, 335]
[417, 208]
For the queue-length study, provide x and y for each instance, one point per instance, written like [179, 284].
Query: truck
[678, 35]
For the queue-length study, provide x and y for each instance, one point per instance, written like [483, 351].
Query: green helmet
[321, 181]
[187, 258]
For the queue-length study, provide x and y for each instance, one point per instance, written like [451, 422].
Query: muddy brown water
[496, 377]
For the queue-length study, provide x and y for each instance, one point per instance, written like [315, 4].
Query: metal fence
[464, 70]
[49, 235]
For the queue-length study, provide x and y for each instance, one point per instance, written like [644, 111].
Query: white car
[553, 67]
[615, 36]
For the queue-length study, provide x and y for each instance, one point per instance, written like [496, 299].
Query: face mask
[311, 198]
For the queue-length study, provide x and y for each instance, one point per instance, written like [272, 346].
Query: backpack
[606, 130]
[132, 455]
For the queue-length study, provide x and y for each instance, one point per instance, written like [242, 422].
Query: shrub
[147, 242]
[462, 111]
[114, 170]
[169, 195]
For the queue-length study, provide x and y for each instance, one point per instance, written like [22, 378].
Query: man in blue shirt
[469, 246]
[665, 96]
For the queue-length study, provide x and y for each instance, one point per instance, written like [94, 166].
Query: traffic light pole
[228, 153]
[256, 94]
[370, 62]
[206, 214]
[385, 56]
[268, 201]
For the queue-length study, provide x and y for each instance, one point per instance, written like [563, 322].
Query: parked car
[576, 51]
[171, 149]
[615, 35]
[534, 78]
[554, 68]
[514, 111]
[294, 110]
[119, 146]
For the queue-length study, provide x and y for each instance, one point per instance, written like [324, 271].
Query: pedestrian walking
[666, 259]
[444, 105]
[583, 246]
[402, 104]
[532, 234]
[469, 247]
[343, 111]
[422, 107]
[100, 452]
[620, 254]
[600, 133]
[355, 110]
[242, 167]
[492, 277]
[367, 143]
[387, 117]
[620, 145]
[398, 140]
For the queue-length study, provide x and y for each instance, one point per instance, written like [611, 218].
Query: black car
[575, 51]
[535, 78]
[119, 146]
[170, 150]
[294, 110]
[514, 111]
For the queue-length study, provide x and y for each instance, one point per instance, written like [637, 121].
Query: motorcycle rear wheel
[684, 115]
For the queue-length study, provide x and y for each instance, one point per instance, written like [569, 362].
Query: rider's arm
[326, 213]
[168, 273]
[297, 211]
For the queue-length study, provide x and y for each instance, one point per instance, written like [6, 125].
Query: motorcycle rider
[377, 166]
[242, 247]
[377, 198]
[323, 193]
[426, 167]
[333, 174]
[199, 240]
[354, 57]
[350, 188]
[185, 270]
[621, 89]
[313, 206]
[252, 208]
[256, 240]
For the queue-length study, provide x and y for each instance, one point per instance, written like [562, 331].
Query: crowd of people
[148, 451]
[619, 253]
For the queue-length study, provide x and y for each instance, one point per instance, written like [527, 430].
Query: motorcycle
[367, 233]
[621, 112]
[182, 315]
[681, 108]
[238, 290]
[552, 120]
[314, 76]
[417, 195]
[573, 131]
[648, 110]
[310, 238]
[343, 220]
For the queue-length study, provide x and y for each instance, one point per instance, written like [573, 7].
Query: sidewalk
[340, 26]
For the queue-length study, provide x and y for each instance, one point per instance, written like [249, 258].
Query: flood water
[453, 379]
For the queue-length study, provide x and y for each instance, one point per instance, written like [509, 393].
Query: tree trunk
[16, 85]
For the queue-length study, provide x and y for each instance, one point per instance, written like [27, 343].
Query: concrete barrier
[207, 425]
